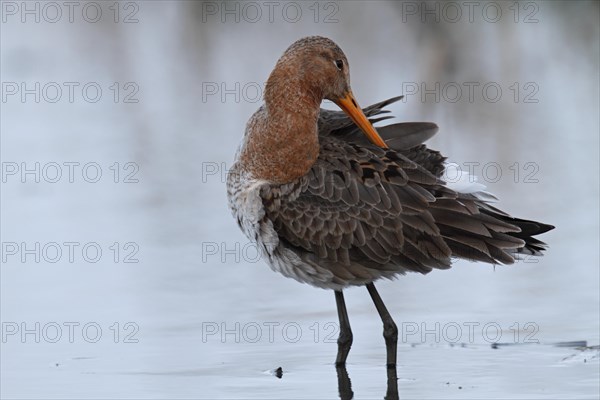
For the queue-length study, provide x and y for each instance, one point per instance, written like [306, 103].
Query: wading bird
[332, 208]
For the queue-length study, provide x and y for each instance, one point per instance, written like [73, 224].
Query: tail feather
[490, 237]
[527, 229]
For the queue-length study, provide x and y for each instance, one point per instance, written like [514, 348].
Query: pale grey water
[191, 282]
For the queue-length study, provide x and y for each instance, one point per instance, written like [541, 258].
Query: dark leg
[345, 338]
[390, 331]
[392, 385]
[344, 384]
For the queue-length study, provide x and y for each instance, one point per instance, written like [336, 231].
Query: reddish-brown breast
[282, 142]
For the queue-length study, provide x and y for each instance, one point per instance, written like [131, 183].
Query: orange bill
[350, 107]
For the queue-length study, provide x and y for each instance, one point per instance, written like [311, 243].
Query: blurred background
[124, 275]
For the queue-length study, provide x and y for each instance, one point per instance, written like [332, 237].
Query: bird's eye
[339, 64]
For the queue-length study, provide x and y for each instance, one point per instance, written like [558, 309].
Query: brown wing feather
[364, 212]
[368, 213]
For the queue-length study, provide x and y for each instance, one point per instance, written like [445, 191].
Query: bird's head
[315, 66]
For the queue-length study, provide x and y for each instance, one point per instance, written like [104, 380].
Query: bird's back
[363, 212]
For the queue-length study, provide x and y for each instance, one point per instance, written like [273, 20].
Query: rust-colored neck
[282, 141]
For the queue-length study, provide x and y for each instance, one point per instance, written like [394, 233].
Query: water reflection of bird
[329, 208]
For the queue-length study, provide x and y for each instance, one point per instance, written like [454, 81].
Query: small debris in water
[578, 343]
[574, 344]
[278, 372]
[584, 353]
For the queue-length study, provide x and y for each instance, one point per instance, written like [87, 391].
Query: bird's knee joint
[390, 330]
[345, 339]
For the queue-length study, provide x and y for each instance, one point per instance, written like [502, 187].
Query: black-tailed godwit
[332, 209]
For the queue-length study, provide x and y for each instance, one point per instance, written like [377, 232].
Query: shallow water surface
[177, 305]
